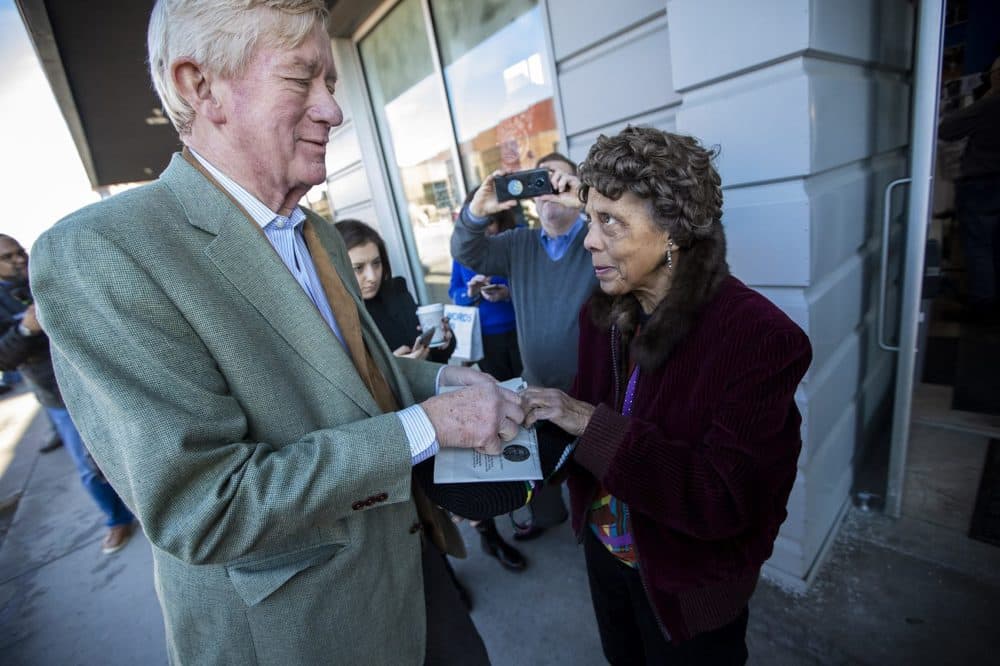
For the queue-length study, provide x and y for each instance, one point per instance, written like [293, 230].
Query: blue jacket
[494, 318]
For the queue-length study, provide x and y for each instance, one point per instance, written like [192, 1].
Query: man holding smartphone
[550, 275]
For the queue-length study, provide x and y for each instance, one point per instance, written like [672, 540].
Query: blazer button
[357, 506]
[369, 501]
[381, 497]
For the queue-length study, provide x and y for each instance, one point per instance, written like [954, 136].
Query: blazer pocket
[257, 581]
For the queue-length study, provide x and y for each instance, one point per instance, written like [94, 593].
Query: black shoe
[54, 443]
[493, 545]
[5, 388]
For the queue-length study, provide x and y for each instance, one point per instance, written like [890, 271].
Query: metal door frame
[923, 141]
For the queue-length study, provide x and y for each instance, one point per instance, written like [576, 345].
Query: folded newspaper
[518, 461]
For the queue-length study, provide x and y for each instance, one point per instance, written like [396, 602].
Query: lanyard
[630, 392]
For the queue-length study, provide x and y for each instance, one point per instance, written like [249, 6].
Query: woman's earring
[670, 259]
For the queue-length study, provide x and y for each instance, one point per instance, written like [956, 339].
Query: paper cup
[431, 315]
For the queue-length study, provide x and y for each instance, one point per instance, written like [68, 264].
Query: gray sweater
[547, 295]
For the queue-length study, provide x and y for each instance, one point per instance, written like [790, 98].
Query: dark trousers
[501, 356]
[977, 204]
[630, 633]
[452, 638]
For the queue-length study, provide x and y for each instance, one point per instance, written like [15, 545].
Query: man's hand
[30, 321]
[459, 375]
[541, 404]
[567, 187]
[485, 203]
[481, 416]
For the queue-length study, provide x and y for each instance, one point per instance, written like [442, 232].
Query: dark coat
[395, 314]
[27, 354]
[707, 459]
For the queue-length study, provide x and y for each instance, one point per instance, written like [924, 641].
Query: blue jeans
[90, 474]
[977, 206]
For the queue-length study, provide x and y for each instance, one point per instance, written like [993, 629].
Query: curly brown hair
[674, 172]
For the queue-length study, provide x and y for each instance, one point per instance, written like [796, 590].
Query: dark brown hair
[357, 233]
[675, 174]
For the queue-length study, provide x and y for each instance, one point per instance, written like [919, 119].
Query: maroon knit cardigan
[707, 459]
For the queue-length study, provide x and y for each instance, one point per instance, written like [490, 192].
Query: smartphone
[523, 184]
[425, 338]
[491, 287]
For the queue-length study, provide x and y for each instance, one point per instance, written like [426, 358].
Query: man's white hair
[221, 36]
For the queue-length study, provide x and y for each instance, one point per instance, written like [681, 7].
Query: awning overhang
[94, 56]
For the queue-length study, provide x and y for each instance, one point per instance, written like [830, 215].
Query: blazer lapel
[248, 261]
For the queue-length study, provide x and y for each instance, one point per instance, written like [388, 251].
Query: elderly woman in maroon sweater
[683, 406]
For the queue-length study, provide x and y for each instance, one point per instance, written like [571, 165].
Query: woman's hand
[447, 333]
[495, 293]
[541, 404]
[417, 351]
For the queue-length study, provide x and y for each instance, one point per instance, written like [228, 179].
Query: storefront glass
[494, 63]
[452, 103]
[415, 130]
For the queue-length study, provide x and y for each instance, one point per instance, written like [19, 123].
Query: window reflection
[499, 107]
[415, 129]
[497, 79]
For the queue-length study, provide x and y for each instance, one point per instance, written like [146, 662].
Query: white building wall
[346, 180]
[356, 178]
[612, 64]
[808, 100]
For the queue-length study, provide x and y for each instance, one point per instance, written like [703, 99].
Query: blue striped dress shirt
[285, 235]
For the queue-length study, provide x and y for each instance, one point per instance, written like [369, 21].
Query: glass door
[414, 126]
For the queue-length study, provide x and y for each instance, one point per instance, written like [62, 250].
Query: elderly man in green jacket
[212, 347]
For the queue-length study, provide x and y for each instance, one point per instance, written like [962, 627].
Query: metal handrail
[884, 263]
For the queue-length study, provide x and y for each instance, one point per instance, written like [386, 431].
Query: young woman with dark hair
[387, 298]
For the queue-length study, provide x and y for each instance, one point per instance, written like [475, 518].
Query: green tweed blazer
[230, 419]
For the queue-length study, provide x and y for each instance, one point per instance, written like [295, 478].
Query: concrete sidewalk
[61, 600]
[891, 592]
